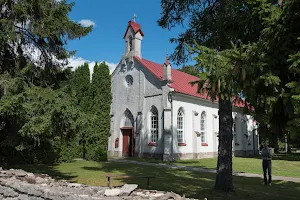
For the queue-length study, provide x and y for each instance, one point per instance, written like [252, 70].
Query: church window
[203, 127]
[130, 43]
[180, 126]
[234, 127]
[128, 119]
[154, 125]
[234, 131]
[129, 80]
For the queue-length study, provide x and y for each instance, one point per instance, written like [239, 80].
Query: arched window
[180, 126]
[128, 119]
[154, 124]
[234, 132]
[203, 127]
[130, 43]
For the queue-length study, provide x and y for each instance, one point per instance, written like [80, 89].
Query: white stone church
[155, 112]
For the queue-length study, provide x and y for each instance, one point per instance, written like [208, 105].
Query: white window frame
[154, 125]
[203, 127]
[180, 125]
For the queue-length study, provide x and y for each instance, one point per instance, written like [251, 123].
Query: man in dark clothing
[266, 154]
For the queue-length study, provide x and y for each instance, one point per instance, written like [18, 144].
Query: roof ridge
[181, 80]
[171, 68]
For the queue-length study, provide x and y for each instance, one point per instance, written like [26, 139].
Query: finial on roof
[167, 69]
[134, 17]
[167, 58]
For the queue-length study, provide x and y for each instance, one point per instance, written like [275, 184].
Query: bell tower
[133, 38]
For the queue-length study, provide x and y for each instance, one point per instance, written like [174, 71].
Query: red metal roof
[181, 81]
[135, 26]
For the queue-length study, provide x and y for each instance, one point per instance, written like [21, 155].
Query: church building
[156, 112]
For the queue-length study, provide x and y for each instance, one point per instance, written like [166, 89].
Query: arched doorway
[127, 129]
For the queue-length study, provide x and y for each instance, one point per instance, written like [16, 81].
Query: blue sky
[105, 42]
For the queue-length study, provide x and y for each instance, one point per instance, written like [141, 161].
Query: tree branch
[34, 40]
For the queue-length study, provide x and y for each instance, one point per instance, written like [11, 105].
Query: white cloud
[87, 22]
[75, 62]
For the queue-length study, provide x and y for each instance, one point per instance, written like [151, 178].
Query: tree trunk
[224, 166]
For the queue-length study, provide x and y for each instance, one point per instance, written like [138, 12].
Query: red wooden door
[127, 142]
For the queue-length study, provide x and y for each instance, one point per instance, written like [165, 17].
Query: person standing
[266, 154]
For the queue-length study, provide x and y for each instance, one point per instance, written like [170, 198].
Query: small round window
[129, 80]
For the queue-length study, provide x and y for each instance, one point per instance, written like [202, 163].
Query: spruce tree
[43, 24]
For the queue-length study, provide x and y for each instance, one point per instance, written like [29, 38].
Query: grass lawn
[282, 164]
[192, 184]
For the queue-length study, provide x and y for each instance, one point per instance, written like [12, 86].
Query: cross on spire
[134, 17]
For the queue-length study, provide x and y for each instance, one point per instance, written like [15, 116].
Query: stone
[127, 189]
[26, 197]
[169, 195]
[23, 197]
[19, 173]
[101, 192]
[8, 192]
[33, 191]
[84, 196]
[3, 175]
[22, 188]
[75, 185]
[30, 178]
[39, 180]
[112, 192]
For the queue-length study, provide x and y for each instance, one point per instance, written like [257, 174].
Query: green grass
[282, 164]
[192, 184]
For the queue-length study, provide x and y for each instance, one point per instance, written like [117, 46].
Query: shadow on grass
[44, 169]
[197, 184]
[188, 163]
[287, 157]
[282, 156]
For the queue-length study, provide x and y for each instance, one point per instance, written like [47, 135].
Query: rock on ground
[127, 189]
[18, 184]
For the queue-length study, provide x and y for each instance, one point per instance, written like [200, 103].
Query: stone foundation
[158, 156]
[113, 153]
[244, 153]
[185, 156]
